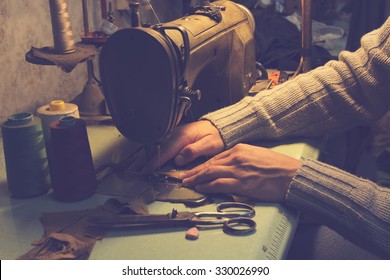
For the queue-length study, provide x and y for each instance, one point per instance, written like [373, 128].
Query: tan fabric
[70, 235]
[67, 62]
[66, 236]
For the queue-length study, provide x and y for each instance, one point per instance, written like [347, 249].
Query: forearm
[354, 207]
[334, 97]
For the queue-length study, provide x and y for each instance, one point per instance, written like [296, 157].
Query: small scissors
[235, 217]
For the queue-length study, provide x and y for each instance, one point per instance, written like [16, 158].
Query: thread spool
[51, 112]
[25, 156]
[61, 27]
[72, 170]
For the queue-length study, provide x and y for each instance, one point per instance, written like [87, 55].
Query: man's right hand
[185, 144]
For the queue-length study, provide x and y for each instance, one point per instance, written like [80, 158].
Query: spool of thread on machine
[26, 162]
[61, 27]
[72, 170]
[53, 111]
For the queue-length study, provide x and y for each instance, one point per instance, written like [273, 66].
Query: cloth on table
[67, 62]
[69, 235]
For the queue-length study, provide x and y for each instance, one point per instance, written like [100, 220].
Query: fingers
[206, 175]
[202, 147]
[210, 178]
[169, 150]
[221, 185]
[192, 141]
[185, 144]
[202, 167]
[254, 172]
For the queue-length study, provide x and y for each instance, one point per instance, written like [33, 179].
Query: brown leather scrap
[70, 235]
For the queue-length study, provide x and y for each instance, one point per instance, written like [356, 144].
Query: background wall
[26, 23]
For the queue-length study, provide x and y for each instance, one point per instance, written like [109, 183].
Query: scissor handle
[245, 210]
[239, 226]
[237, 210]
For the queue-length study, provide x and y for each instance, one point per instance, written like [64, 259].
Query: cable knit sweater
[341, 94]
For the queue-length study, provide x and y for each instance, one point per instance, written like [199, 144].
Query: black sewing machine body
[151, 75]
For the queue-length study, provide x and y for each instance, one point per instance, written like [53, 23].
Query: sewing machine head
[152, 75]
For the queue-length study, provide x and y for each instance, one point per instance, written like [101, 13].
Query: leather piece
[67, 62]
[70, 235]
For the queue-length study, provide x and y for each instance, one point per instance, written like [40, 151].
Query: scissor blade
[129, 219]
[180, 217]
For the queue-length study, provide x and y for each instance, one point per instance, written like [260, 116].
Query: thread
[51, 112]
[72, 170]
[154, 12]
[61, 27]
[25, 156]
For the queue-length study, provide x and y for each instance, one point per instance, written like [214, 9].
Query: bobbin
[61, 27]
[51, 112]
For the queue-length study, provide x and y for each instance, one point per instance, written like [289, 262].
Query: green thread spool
[26, 163]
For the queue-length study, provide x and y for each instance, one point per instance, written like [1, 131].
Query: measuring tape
[281, 234]
[285, 220]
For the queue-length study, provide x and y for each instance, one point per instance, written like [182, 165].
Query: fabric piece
[67, 62]
[132, 188]
[70, 235]
[138, 188]
[278, 43]
[58, 246]
[66, 236]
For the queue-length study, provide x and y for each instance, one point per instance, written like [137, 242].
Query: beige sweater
[342, 94]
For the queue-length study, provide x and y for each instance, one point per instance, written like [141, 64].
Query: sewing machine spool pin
[135, 16]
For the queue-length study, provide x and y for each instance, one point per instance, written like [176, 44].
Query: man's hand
[251, 171]
[188, 142]
[185, 144]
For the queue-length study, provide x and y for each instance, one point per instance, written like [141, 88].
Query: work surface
[20, 218]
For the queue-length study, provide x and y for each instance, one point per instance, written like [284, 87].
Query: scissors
[235, 218]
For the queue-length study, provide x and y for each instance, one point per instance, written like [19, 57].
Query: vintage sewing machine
[196, 64]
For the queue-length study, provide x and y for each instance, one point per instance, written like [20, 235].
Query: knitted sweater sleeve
[355, 207]
[337, 96]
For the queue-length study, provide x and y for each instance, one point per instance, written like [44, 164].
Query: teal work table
[20, 218]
